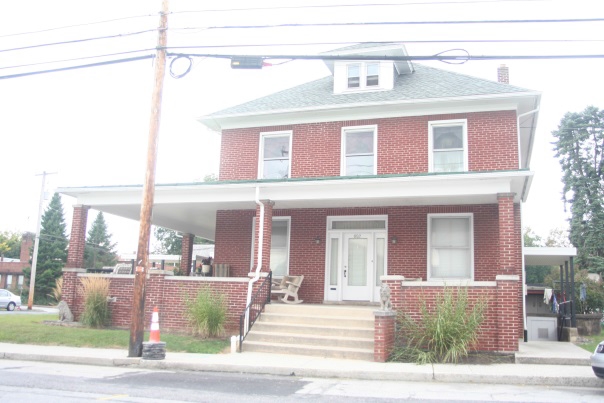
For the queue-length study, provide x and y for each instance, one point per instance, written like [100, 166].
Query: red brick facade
[15, 269]
[187, 254]
[77, 240]
[402, 145]
[167, 293]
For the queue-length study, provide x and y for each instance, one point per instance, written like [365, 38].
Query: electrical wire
[376, 23]
[76, 25]
[78, 40]
[31, 73]
[415, 3]
[77, 58]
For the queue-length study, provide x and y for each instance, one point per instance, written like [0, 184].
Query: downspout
[250, 286]
[525, 333]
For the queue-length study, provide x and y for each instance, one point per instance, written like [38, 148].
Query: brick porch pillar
[77, 240]
[507, 242]
[508, 311]
[69, 288]
[383, 335]
[266, 244]
[187, 254]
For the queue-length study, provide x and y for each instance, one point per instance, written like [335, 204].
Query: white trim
[351, 129]
[377, 217]
[363, 87]
[507, 277]
[518, 101]
[449, 283]
[470, 216]
[447, 123]
[264, 135]
[289, 229]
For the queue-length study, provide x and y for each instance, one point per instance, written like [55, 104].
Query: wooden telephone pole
[137, 326]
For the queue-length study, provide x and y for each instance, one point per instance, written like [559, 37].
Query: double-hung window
[280, 235]
[450, 246]
[275, 155]
[448, 144]
[363, 75]
[359, 155]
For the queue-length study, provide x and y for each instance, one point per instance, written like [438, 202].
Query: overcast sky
[91, 125]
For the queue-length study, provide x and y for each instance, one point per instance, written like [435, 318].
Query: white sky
[91, 125]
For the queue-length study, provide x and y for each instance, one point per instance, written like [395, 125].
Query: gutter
[256, 277]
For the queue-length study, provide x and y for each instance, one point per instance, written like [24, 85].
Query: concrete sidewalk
[543, 365]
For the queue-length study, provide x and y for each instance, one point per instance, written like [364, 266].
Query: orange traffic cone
[154, 334]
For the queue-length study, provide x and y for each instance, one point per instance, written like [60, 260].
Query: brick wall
[402, 145]
[77, 240]
[408, 257]
[168, 293]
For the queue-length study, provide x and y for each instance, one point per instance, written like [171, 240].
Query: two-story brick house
[383, 171]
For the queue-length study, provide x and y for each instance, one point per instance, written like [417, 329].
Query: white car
[8, 300]
[597, 360]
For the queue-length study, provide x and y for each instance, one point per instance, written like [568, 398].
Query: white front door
[357, 266]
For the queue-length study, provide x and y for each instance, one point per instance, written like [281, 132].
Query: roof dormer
[359, 75]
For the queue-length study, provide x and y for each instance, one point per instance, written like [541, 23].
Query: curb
[438, 373]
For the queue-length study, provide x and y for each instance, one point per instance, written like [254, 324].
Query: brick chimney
[27, 242]
[503, 74]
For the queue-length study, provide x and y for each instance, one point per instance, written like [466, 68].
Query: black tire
[11, 306]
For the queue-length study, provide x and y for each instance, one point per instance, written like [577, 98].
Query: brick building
[382, 172]
[11, 272]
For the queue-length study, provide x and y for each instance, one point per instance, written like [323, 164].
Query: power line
[31, 73]
[438, 57]
[78, 40]
[76, 25]
[77, 58]
[414, 3]
[376, 23]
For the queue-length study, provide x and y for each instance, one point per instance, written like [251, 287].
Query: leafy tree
[534, 274]
[99, 250]
[579, 146]
[594, 301]
[52, 250]
[10, 244]
[170, 241]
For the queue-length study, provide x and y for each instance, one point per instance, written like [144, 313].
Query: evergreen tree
[52, 250]
[579, 146]
[99, 250]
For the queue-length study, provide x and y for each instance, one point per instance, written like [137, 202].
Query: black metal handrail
[261, 297]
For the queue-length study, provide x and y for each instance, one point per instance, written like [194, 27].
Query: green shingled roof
[425, 83]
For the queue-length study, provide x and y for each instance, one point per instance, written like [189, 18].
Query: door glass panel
[357, 262]
[379, 260]
[334, 263]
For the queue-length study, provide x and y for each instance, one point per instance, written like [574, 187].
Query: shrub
[96, 308]
[57, 291]
[207, 313]
[444, 333]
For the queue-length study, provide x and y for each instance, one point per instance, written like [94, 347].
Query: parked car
[8, 300]
[597, 360]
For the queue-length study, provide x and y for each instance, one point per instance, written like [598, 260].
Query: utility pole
[137, 326]
[34, 259]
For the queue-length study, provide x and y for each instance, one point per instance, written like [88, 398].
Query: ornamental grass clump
[96, 308]
[444, 332]
[207, 313]
[57, 291]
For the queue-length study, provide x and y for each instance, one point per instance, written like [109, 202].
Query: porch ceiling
[191, 208]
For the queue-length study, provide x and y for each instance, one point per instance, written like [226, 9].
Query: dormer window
[363, 75]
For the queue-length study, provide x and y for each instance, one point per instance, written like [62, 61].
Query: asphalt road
[26, 381]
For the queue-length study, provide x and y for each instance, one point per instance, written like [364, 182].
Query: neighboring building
[382, 172]
[11, 270]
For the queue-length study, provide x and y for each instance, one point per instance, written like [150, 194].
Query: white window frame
[447, 123]
[470, 217]
[363, 76]
[350, 129]
[264, 135]
[289, 231]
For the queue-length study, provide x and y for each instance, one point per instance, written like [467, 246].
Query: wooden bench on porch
[287, 286]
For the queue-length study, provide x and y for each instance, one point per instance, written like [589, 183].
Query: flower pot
[205, 269]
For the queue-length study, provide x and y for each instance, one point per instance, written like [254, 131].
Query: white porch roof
[548, 256]
[191, 208]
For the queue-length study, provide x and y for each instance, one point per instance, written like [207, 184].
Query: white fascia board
[375, 110]
[556, 256]
[380, 191]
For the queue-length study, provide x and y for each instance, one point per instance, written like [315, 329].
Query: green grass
[30, 329]
[593, 342]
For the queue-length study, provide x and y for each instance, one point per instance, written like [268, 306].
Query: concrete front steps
[330, 331]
